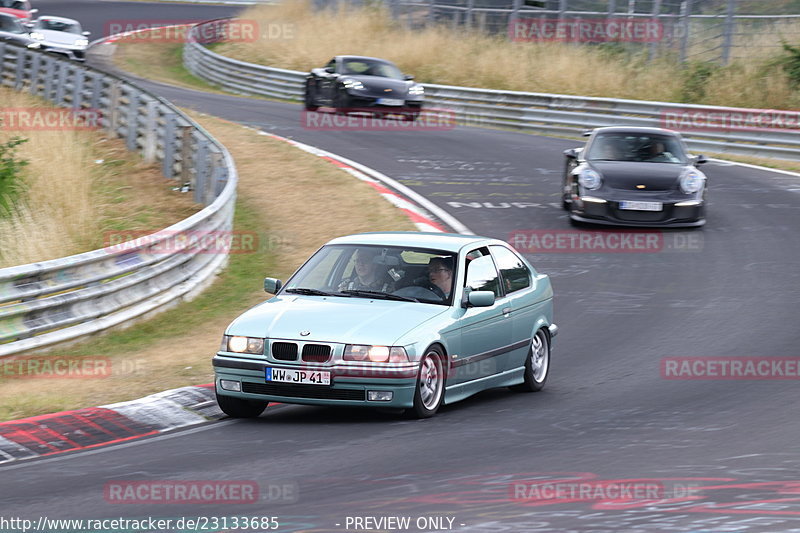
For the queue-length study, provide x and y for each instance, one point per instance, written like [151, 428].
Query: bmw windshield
[382, 272]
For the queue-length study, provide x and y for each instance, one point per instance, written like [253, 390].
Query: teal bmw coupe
[397, 319]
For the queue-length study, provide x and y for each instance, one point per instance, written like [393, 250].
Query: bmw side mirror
[700, 159]
[272, 285]
[572, 153]
[480, 299]
[408, 77]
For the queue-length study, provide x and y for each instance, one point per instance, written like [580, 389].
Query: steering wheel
[425, 283]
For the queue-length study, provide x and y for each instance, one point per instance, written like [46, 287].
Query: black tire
[429, 391]
[308, 99]
[239, 408]
[341, 101]
[537, 364]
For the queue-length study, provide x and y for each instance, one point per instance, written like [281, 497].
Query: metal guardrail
[552, 114]
[54, 301]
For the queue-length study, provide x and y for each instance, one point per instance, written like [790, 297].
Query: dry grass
[470, 58]
[79, 184]
[299, 202]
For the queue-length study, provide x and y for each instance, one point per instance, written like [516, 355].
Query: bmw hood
[382, 87]
[333, 319]
[627, 175]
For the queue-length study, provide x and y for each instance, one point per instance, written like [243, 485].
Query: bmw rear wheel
[430, 384]
[240, 408]
[537, 364]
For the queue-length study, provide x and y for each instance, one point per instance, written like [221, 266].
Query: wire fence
[700, 30]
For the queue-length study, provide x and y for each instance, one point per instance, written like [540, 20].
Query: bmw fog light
[380, 395]
[231, 385]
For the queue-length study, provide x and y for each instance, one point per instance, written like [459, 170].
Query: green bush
[695, 79]
[10, 173]
[791, 64]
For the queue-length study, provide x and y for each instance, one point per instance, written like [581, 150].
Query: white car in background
[60, 35]
[12, 30]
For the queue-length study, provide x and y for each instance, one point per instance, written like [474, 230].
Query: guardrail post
[97, 91]
[133, 121]
[686, 10]
[186, 155]
[150, 130]
[49, 76]
[114, 96]
[77, 88]
[201, 174]
[211, 181]
[168, 140]
[36, 63]
[20, 74]
[727, 36]
[61, 89]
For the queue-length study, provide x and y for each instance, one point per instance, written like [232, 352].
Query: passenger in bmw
[366, 275]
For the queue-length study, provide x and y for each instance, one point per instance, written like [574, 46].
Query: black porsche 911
[363, 84]
[634, 177]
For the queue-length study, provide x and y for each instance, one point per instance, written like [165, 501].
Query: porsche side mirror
[86, 33]
[330, 70]
[272, 285]
[572, 153]
[587, 133]
[480, 299]
[700, 159]
[33, 11]
[408, 77]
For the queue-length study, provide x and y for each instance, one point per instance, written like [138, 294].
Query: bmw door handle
[506, 311]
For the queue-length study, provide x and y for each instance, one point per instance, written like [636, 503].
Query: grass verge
[77, 185]
[295, 206]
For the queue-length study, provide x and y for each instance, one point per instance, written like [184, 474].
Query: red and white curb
[417, 208]
[92, 427]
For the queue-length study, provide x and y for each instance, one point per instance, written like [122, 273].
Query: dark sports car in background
[634, 177]
[363, 84]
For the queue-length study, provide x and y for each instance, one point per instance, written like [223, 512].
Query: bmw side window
[482, 275]
[513, 271]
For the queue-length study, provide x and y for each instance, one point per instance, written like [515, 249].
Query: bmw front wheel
[537, 364]
[430, 384]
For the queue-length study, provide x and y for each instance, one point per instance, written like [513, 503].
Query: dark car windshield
[57, 25]
[377, 272]
[371, 67]
[9, 24]
[643, 147]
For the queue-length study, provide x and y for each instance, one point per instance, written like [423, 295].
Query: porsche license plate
[307, 377]
[390, 101]
[641, 206]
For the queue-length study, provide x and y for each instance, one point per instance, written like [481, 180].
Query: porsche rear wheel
[240, 408]
[430, 384]
[308, 100]
[537, 364]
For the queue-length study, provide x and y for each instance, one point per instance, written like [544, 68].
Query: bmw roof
[451, 242]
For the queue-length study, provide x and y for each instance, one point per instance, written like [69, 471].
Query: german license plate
[641, 206]
[306, 377]
[390, 101]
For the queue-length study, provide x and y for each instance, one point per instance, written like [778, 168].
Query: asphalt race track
[715, 455]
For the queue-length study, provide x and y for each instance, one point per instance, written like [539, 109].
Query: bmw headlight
[37, 36]
[375, 354]
[416, 90]
[353, 84]
[236, 344]
[692, 181]
[590, 179]
[81, 42]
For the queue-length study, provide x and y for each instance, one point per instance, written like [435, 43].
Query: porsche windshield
[620, 146]
[383, 272]
[371, 67]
